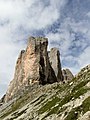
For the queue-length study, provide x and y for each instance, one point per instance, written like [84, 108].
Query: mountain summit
[41, 90]
[36, 65]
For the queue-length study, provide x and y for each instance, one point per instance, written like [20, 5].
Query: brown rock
[32, 66]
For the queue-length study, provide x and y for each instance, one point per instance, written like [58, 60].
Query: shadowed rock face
[54, 57]
[2, 100]
[67, 75]
[69, 101]
[34, 66]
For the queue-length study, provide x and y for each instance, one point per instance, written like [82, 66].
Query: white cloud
[30, 14]
[20, 18]
[61, 40]
[88, 14]
[72, 38]
[84, 58]
[3, 88]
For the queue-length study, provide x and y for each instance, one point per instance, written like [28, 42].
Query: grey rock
[67, 75]
[54, 57]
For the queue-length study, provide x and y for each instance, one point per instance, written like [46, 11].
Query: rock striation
[69, 101]
[35, 65]
[83, 70]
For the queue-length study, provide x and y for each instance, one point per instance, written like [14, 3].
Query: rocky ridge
[36, 65]
[41, 90]
[33, 66]
[57, 101]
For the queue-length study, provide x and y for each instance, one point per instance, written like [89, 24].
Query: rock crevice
[32, 66]
[35, 65]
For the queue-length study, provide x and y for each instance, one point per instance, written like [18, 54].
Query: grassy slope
[52, 99]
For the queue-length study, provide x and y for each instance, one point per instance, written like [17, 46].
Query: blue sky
[64, 22]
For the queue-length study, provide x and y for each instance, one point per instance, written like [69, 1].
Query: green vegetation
[76, 92]
[81, 84]
[74, 113]
[41, 98]
[86, 105]
[54, 104]
[6, 114]
[49, 105]
[52, 111]
[16, 114]
[80, 92]
[13, 108]
[16, 105]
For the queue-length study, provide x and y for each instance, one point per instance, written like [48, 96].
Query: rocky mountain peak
[31, 94]
[35, 65]
[54, 57]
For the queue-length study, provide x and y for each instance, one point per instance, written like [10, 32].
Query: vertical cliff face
[34, 65]
[54, 57]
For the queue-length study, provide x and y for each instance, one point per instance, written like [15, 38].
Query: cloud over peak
[64, 22]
